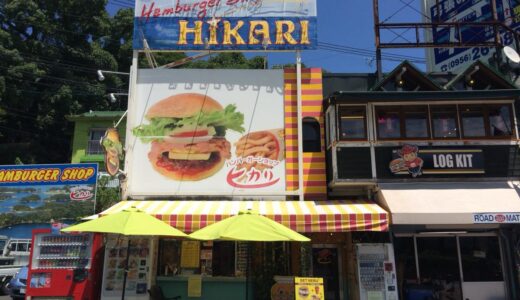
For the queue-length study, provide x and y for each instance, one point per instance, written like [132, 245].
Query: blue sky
[346, 23]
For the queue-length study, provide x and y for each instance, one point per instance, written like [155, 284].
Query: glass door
[439, 267]
[450, 267]
[325, 264]
[482, 270]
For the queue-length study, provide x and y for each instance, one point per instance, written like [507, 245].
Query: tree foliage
[49, 54]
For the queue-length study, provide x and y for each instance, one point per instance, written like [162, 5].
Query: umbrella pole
[126, 268]
[247, 268]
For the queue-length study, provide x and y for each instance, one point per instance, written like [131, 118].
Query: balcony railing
[94, 147]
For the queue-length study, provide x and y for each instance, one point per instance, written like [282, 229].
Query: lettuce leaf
[228, 118]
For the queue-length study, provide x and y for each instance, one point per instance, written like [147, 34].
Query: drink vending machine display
[65, 265]
[376, 272]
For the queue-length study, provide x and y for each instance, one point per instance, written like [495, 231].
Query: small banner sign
[309, 288]
[494, 218]
[414, 161]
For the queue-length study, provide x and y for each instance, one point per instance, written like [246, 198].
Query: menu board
[308, 288]
[115, 263]
[190, 253]
[241, 259]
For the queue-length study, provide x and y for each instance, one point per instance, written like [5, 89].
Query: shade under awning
[447, 203]
[302, 216]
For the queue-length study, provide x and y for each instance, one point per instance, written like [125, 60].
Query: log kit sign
[225, 25]
[410, 160]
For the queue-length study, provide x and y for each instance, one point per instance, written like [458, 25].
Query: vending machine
[376, 272]
[65, 266]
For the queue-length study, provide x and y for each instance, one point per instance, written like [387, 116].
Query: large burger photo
[187, 133]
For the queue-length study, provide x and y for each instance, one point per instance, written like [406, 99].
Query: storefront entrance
[449, 267]
[326, 264]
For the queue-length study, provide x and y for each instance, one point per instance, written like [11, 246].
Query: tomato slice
[192, 133]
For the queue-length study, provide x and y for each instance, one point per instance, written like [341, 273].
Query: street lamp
[101, 77]
[112, 96]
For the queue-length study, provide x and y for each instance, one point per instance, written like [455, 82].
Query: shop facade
[440, 154]
[223, 269]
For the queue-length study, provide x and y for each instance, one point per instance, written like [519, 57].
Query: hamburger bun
[182, 176]
[303, 291]
[183, 105]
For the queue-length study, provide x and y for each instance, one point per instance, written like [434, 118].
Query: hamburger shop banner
[206, 132]
[39, 193]
[225, 24]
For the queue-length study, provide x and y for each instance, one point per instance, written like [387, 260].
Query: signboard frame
[252, 125]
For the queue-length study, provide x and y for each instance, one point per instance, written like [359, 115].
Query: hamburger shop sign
[213, 132]
[225, 24]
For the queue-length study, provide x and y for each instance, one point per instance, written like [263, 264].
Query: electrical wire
[366, 52]
[65, 80]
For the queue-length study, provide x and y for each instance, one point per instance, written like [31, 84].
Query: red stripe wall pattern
[315, 183]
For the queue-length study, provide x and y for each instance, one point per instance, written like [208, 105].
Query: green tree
[106, 196]
[49, 53]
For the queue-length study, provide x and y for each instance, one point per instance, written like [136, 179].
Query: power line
[64, 80]
[366, 52]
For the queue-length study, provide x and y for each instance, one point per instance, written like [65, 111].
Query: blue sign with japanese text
[451, 59]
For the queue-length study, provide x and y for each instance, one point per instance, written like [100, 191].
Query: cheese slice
[189, 156]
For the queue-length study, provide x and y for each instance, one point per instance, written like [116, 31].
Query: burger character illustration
[408, 161]
[113, 150]
[187, 133]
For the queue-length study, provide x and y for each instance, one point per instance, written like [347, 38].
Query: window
[23, 247]
[388, 123]
[416, 122]
[492, 121]
[216, 259]
[223, 262]
[352, 125]
[500, 121]
[95, 136]
[480, 259]
[444, 121]
[447, 121]
[472, 121]
[311, 135]
[402, 122]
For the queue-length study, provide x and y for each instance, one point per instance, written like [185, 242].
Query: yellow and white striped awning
[302, 216]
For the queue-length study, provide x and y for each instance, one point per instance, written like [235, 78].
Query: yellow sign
[195, 286]
[308, 288]
[190, 254]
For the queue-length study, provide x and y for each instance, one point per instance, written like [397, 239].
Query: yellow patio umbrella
[248, 226]
[127, 222]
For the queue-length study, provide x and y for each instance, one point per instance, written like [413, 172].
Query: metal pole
[130, 110]
[126, 268]
[378, 40]
[300, 121]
